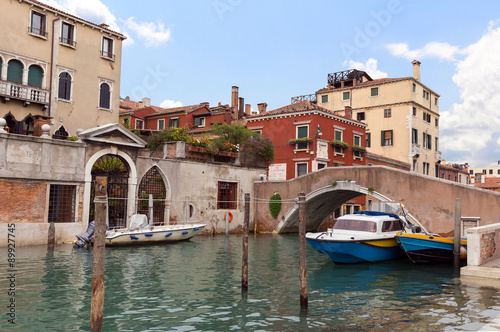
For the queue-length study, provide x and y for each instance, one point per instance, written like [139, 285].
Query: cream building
[402, 114]
[56, 68]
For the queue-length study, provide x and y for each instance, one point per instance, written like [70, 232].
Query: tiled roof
[299, 106]
[489, 183]
[186, 109]
[128, 105]
[368, 83]
[39, 3]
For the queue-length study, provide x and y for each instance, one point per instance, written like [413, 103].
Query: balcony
[310, 98]
[27, 94]
[415, 150]
[438, 156]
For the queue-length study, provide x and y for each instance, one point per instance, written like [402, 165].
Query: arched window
[60, 133]
[35, 75]
[64, 86]
[104, 96]
[15, 71]
[28, 125]
[11, 122]
[152, 183]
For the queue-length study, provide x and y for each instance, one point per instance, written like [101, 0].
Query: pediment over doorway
[112, 133]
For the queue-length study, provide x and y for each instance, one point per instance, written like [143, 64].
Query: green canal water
[196, 286]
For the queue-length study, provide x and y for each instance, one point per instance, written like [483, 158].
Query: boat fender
[148, 234]
[167, 235]
[197, 228]
[463, 253]
[230, 216]
[134, 237]
[184, 233]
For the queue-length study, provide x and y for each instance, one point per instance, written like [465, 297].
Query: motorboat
[425, 248]
[366, 236]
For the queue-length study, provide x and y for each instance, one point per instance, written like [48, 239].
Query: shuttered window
[104, 96]
[15, 71]
[35, 75]
[302, 132]
[387, 139]
[64, 86]
[173, 123]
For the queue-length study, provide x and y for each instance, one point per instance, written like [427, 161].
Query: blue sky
[187, 52]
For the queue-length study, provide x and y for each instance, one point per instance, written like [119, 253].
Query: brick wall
[22, 201]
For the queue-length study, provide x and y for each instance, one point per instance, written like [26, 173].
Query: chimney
[248, 109]
[146, 101]
[416, 70]
[104, 25]
[241, 108]
[262, 108]
[348, 112]
[141, 104]
[234, 100]
[127, 98]
[220, 104]
[205, 104]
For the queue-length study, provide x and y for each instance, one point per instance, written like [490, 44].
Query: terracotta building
[57, 69]
[308, 137]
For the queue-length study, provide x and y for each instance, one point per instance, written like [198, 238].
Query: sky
[192, 51]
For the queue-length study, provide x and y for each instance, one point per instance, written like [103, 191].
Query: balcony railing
[108, 55]
[438, 156]
[38, 31]
[24, 93]
[311, 98]
[67, 41]
[415, 149]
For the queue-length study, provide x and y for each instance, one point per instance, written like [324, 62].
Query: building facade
[56, 69]
[402, 115]
[307, 137]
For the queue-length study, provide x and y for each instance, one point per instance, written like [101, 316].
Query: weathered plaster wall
[483, 244]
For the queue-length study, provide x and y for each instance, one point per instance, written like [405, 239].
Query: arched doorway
[152, 183]
[117, 173]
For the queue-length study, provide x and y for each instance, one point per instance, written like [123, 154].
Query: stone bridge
[430, 200]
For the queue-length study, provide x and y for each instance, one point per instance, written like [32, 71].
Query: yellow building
[402, 114]
[56, 68]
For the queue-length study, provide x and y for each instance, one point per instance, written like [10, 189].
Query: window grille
[62, 203]
[227, 195]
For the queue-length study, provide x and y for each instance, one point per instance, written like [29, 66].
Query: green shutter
[338, 135]
[302, 132]
[169, 123]
[197, 122]
[15, 71]
[35, 75]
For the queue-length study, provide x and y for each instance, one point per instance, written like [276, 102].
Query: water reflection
[196, 285]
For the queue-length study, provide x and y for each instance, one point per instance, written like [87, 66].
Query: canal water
[196, 286]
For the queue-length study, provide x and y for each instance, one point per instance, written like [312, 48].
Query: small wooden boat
[426, 248]
[367, 236]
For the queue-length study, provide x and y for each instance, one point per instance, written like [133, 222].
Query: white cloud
[91, 10]
[153, 34]
[370, 67]
[472, 125]
[438, 50]
[170, 103]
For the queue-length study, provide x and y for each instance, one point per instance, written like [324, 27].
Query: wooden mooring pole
[51, 236]
[244, 267]
[304, 301]
[456, 233]
[97, 301]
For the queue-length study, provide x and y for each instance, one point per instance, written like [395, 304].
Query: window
[199, 122]
[64, 86]
[105, 96]
[387, 113]
[391, 226]
[28, 125]
[346, 95]
[414, 88]
[173, 123]
[491, 171]
[107, 48]
[60, 133]
[338, 137]
[15, 71]
[426, 169]
[414, 111]
[498, 171]
[227, 195]
[139, 124]
[415, 165]
[426, 117]
[387, 138]
[161, 124]
[67, 34]
[436, 122]
[38, 24]
[301, 169]
[435, 101]
[368, 139]
[357, 141]
[324, 99]
[125, 122]
[425, 95]
[302, 131]
[62, 203]
[471, 172]
[414, 136]
[373, 92]
[436, 140]
[35, 76]
[321, 166]
[360, 116]
[484, 171]
[427, 141]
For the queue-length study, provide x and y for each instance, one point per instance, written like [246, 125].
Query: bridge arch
[322, 202]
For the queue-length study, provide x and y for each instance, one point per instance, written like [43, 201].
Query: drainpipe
[410, 124]
[52, 63]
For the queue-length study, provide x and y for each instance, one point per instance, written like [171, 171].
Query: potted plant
[359, 148]
[300, 140]
[339, 144]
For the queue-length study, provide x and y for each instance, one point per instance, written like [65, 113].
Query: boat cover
[377, 213]
[138, 221]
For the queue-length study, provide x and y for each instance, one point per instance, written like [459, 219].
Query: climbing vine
[275, 205]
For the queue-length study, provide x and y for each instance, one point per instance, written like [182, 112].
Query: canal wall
[430, 200]
[483, 244]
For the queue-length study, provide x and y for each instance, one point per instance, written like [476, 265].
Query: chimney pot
[262, 108]
[248, 109]
[234, 100]
[348, 112]
[416, 70]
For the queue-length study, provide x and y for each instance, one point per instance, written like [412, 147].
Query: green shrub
[275, 205]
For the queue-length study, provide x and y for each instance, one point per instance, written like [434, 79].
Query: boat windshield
[356, 225]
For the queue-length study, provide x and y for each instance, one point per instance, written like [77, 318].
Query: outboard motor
[86, 237]
[416, 229]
